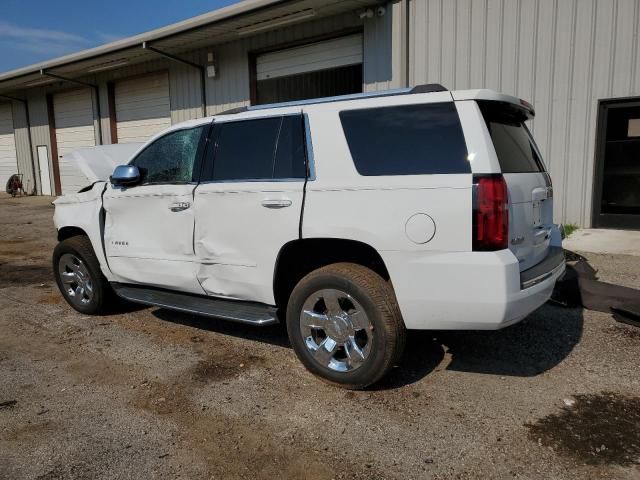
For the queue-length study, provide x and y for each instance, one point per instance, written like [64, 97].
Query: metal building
[577, 61]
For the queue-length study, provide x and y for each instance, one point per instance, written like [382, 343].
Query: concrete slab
[621, 242]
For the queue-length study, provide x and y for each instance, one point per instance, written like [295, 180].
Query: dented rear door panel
[238, 235]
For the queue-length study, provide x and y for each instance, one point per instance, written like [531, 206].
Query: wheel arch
[70, 231]
[299, 257]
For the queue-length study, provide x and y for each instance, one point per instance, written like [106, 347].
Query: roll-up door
[73, 116]
[142, 107]
[321, 69]
[8, 157]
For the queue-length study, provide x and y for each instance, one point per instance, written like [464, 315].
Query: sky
[35, 30]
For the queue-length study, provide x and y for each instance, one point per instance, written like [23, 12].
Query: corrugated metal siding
[185, 86]
[142, 107]
[8, 157]
[22, 146]
[73, 113]
[231, 89]
[185, 98]
[75, 128]
[105, 124]
[562, 55]
[337, 52]
[383, 50]
[39, 134]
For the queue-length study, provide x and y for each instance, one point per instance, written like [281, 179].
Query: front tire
[345, 325]
[78, 275]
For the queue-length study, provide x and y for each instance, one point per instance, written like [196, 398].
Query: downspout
[406, 42]
[84, 84]
[28, 120]
[203, 75]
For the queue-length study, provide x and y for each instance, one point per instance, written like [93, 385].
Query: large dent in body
[226, 272]
[146, 240]
[236, 282]
[73, 198]
[82, 210]
[209, 252]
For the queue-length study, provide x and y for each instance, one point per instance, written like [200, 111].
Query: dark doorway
[617, 182]
[323, 83]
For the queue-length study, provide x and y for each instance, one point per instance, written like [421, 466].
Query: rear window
[406, 140]
[260, 149]
[511, 138]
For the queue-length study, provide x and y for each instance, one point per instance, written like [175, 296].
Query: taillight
[490, 213]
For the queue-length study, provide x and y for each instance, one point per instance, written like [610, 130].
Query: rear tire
[345, 325]
[78, 275]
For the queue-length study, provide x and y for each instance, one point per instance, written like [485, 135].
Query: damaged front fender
[83, 211]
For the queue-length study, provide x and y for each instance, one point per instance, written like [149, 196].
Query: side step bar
[233, 310]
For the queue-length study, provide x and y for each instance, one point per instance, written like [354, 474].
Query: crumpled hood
[87, 195]
[97, 163]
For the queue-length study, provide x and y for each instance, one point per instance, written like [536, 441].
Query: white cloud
[7, 30]
[41, 41]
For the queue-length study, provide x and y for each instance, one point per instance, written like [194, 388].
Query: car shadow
[537, 344]
[272, 334]
[529, 348]
[422, 355]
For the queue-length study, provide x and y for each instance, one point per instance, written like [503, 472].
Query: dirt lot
[148, 393]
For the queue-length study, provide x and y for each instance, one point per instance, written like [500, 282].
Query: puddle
[602, 429]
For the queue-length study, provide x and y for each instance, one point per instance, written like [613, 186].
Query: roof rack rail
[231, 111]
[426, 88]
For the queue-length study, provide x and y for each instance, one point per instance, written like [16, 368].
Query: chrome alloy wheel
[336, 330]
[76, 279]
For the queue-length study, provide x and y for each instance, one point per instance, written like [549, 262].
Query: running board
[236, 311]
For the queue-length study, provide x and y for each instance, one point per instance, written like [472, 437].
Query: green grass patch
[569, 228]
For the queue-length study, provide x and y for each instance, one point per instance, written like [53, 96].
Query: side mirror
[125, 175]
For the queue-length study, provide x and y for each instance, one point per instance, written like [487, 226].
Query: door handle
[276, 203]
[179, 206]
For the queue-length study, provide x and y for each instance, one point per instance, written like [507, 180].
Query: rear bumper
[543, 270]
[468, 290]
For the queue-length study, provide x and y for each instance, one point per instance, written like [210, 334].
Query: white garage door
[322, 69]
[339, 52]
[73, 114]
[142, 107]
[8, 158]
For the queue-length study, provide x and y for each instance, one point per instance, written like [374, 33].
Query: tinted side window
[511, 138]
[406, 140]
[261, 149]
[170, 159]
[245, 149]
[290, 155]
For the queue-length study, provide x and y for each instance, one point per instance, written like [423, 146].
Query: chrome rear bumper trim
[552, 263]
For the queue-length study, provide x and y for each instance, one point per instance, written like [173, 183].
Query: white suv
[354, 218]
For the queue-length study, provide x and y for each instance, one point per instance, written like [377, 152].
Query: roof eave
[246, 6]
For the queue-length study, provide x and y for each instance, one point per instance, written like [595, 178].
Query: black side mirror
[125, 175]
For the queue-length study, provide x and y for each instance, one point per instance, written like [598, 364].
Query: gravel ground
[149, 393]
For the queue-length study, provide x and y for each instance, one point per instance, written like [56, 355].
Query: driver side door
[148, 232]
